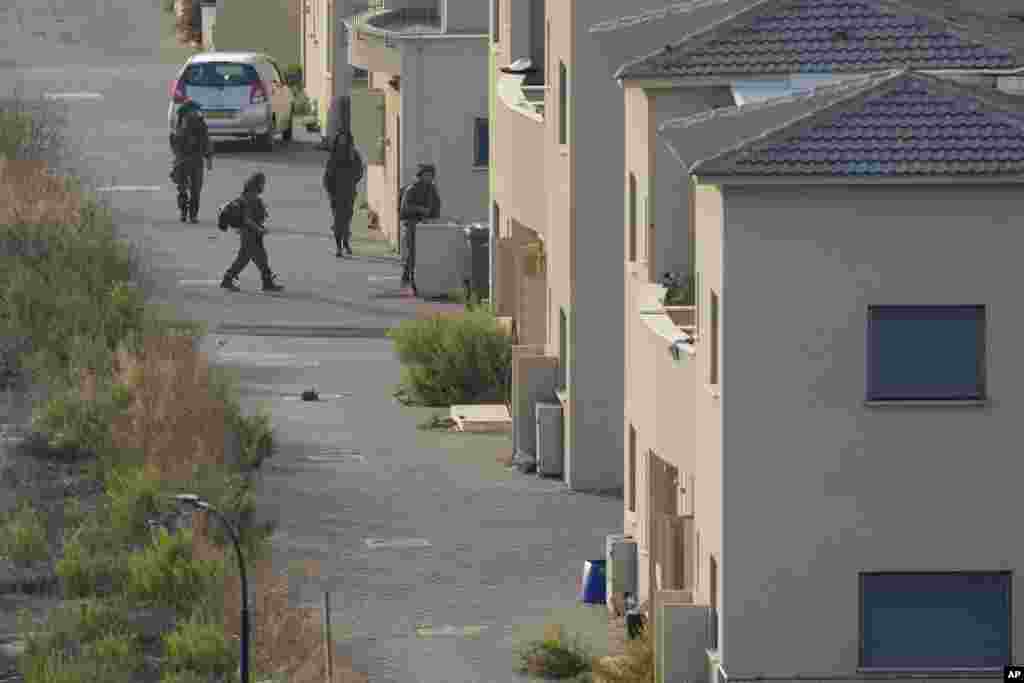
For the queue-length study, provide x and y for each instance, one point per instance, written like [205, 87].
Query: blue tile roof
[902, 123]
[824, 36]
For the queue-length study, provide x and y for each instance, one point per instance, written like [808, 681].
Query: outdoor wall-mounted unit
[620, 568]
[682, 634]
[549, 439]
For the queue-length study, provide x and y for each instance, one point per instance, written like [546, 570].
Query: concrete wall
[467, 16]
[443, 89]
[817, 486]
[706, 484]
[270, 26]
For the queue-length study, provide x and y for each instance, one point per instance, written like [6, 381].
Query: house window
[563, 349]
[632, 468]
[713, 340]
[932, 620]
[481, 143]
[632, 216]
[496, 31]
[563, 103]
[713, 596]
[926, 353]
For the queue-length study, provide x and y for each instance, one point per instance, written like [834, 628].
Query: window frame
[875, 396]
[496, 29]
[478, 148]
[563, 349]
[860, 619]
[714, 338]
[563, 103]
[631, 206]
[631, 474]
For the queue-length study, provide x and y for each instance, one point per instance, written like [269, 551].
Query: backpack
[187, 134]
[230, 215]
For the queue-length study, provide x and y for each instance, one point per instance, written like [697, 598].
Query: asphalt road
[436, 556]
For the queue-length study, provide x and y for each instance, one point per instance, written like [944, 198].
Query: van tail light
[258, 94]
[177, 91]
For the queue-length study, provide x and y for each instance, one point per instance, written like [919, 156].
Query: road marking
[396, 543]
[378, 278]
[276, 360]
[73, 96]
[447, 630]
[130, 188]
[198, 283]
[336, 454]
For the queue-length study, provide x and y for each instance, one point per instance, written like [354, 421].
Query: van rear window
[220, 74]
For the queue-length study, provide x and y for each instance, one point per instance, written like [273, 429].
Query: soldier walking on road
[342, 174]
[254, 215]
[190, 143]
[419, 201]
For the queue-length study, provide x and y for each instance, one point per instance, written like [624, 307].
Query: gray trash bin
[478, 240]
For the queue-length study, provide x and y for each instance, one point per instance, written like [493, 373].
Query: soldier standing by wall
[419, 201]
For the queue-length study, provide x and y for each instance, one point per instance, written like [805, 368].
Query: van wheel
[265, 142]
[286, 134]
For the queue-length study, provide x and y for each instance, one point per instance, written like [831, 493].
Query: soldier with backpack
[250, 219]
[342, 174]
[190, 143]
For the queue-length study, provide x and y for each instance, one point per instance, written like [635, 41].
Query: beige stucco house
[756, 51]
[557, 158]
[845, 358]
[426, 101]
[327, 74]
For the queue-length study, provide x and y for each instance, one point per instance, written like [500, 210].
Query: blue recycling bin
[592, 587]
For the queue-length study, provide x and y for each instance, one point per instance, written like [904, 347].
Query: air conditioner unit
[682, 641]
[549, 439]
[620, 567]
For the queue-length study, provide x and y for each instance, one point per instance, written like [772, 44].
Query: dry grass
[286, 639]
[30, 195]
[174, 420]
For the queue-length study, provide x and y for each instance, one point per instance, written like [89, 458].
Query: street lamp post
[200, 504]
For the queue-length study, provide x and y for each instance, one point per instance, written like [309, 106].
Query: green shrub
[199, 646]
[165, 573]
[133, 500]
[73, 423]
[451, 360]
[93, 559]
[256, 436]
[88, 641]
[554, 656]
[679, 289]
[23, 535]
[15, 128]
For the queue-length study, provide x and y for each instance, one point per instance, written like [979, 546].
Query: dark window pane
[482, 143]
[209, 74]
[935, 621]
[934, 352]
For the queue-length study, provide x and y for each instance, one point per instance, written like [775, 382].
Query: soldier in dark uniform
[190, 143]
[342, 174]
[420, 201]
[254, 215]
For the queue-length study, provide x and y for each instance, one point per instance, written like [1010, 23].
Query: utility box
[440, 258]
